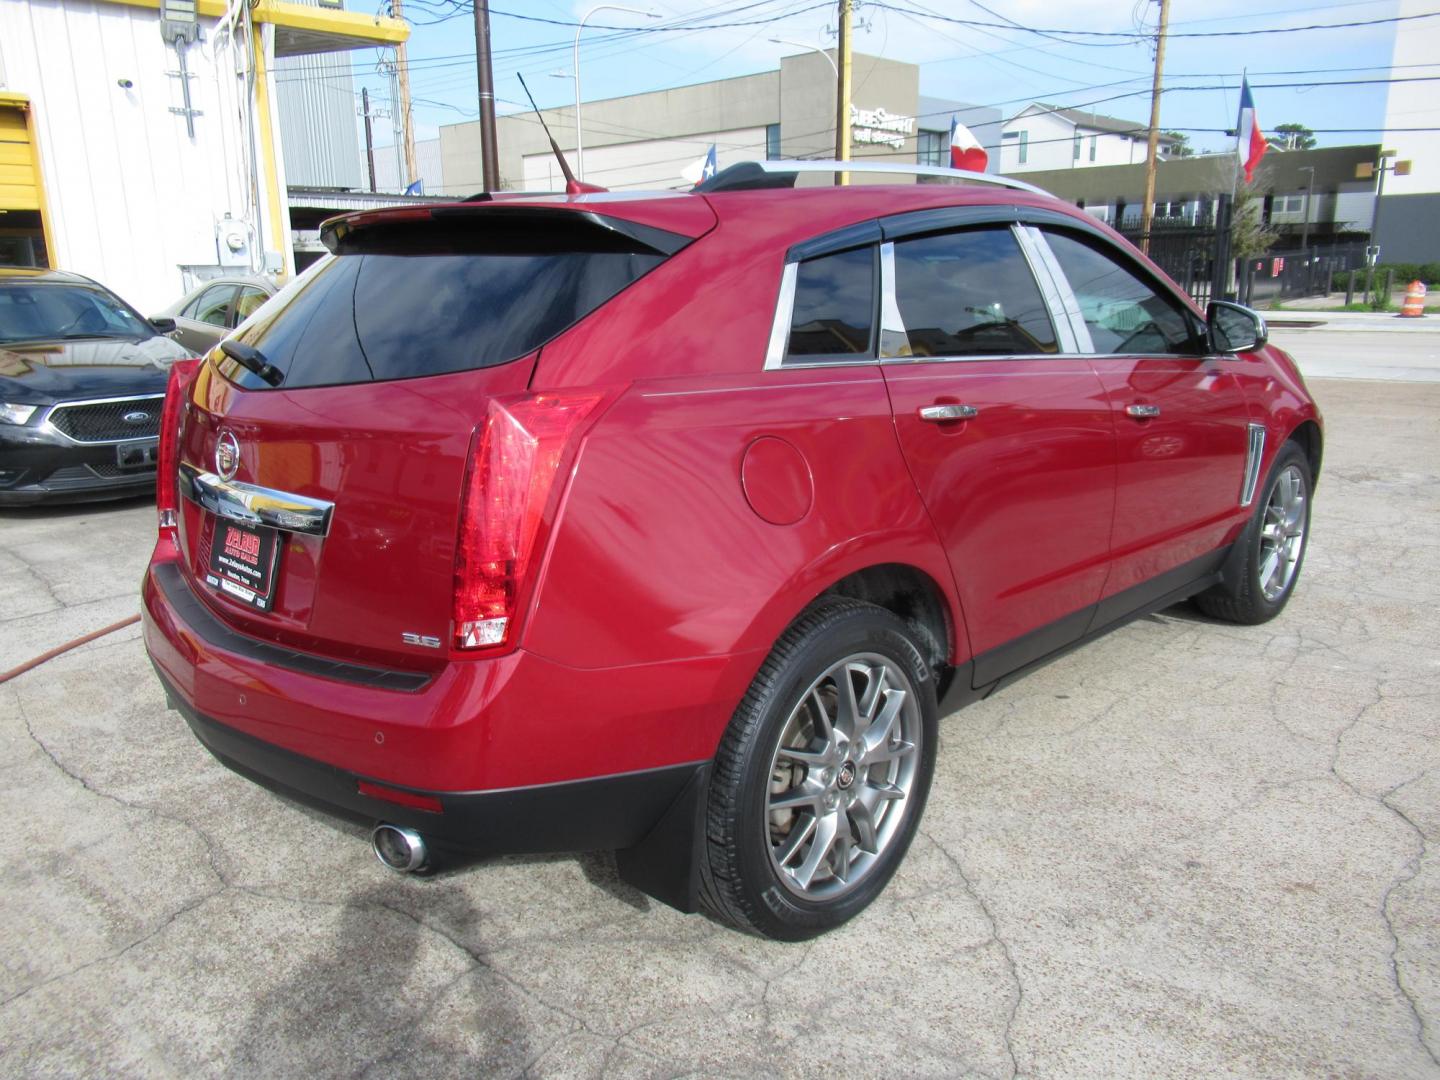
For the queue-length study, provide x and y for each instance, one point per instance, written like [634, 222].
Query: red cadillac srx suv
[671, 523]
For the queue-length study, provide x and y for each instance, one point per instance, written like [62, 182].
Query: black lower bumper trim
[196, 615]
[600, 814]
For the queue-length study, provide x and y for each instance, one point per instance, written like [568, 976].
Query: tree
[1292, 137]
[1250, 237]
[1179, 145]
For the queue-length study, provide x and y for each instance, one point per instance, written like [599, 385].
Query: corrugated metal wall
[132, 197]
[317, 103]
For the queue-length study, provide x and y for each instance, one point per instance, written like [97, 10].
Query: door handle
[942, 414]
[1142, 412]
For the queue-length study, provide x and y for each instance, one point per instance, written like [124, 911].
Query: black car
[82, 382]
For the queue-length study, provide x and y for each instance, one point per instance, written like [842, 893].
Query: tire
[1253, 592]
[851, 777]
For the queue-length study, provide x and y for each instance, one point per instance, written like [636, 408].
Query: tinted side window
[1125, 313]
[970, 294]
[212, 305]
[834, 305]
[247, 302]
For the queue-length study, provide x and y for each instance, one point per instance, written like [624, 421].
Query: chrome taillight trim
[1255, 453]
[251, 504]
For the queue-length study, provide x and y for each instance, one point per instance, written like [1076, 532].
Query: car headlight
[15, 414]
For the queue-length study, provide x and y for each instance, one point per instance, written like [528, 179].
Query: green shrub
[1405, 273]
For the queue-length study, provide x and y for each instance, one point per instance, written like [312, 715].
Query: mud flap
[666, 864]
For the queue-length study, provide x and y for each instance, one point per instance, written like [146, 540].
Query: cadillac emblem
[227, 455]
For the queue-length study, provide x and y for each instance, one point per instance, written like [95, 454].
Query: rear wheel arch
[910, 594]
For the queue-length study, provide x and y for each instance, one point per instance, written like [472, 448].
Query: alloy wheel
[843, 770]
[1282, 533]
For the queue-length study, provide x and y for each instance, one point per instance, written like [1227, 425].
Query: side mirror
[163, 325]
[1234, 328]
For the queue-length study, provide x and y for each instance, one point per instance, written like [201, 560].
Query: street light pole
[1305, 224]
[813, 48]
[579, 141]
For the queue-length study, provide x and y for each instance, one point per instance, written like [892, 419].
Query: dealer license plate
[242, 562]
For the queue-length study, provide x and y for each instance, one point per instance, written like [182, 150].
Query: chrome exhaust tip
[399, 848]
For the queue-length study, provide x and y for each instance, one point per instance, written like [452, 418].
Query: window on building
[1078, 140]
[1024, 147]
[1289, 204]
[834, 305]
[931, 148]
[1124, 312]
[1094, 139]
[970, 294]
[772, 142]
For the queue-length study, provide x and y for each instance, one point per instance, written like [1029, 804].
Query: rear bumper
[523, 754]
[604, 813]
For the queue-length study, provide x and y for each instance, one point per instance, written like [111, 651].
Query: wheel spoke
[847, 708]
[841, 850]
[801, 831]
[823, 727]
[890, 752]
[882, 729]
[825, 829]
[1267, 570]
[795, 798]
[811, 759]
[862, 816]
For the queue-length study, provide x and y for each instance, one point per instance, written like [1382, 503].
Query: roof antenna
[572, 186]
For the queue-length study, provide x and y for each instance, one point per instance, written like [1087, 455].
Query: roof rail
[751, 175]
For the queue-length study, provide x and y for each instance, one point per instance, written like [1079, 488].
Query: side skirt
[1110, 614]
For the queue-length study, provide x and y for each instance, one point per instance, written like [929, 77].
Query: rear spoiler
[492, 228]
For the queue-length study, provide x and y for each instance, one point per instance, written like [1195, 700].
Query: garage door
[19, 188]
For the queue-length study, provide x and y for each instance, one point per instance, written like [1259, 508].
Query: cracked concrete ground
[1190, 849]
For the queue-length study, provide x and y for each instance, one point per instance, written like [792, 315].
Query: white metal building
[1044, 137]
[116, 165]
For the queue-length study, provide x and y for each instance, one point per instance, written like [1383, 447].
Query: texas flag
[1251, 144]
[965, 150]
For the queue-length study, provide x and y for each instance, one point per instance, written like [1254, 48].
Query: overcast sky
[1005, 68]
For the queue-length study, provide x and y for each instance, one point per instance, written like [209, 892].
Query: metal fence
[1287, 274]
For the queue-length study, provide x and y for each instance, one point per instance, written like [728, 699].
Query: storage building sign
[879, 126]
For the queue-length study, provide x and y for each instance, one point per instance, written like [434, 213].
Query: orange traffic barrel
[1414, 306]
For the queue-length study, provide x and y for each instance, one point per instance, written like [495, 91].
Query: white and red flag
[1251, 144]
[965, 150]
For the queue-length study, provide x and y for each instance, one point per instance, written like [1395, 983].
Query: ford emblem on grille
[136, 417]
[227, 455]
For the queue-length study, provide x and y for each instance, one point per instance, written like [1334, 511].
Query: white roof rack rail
[759, 174]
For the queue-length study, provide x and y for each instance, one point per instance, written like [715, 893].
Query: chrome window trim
[1050, 295]
[1255, 453]
[1069, 302]
[780, 327]
[50, 428]
[892, 323]
[253, 505]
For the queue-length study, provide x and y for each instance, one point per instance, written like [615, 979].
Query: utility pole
[1147, 212]
[369, 137]
[402, 66]
[485, 74]
[842, 92]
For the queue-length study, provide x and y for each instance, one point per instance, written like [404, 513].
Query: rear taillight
[511, 479]
[167, 454]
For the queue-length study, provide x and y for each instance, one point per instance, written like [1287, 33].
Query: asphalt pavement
[1190, 849]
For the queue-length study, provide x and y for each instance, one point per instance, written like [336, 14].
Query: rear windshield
[390, 314]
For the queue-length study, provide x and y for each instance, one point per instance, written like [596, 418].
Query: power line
[1135, 36]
